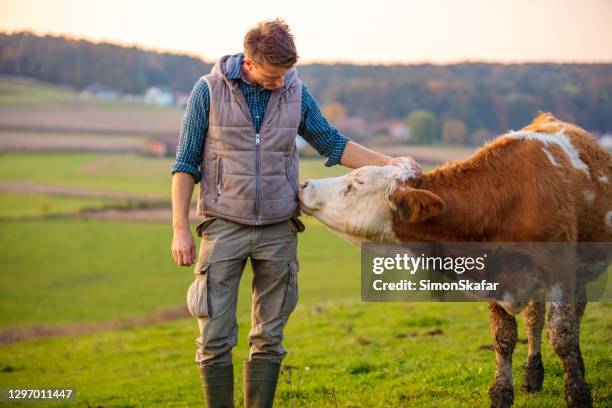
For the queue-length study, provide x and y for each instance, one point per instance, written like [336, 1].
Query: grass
[36, 205]
[15, 93]
[66, 271]
[115, 173]
[26, 93]
[341, 354]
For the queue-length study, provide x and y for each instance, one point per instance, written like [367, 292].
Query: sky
[363, 32]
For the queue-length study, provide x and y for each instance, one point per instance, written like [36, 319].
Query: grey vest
[248, 177]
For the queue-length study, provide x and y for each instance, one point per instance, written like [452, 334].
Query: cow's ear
[415, 205]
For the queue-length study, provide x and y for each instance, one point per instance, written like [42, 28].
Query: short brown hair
[271, 42]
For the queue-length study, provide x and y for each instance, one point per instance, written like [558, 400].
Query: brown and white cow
[548, 182]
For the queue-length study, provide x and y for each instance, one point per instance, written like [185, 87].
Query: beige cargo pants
[212, 297]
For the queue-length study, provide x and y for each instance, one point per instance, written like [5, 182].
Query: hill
[478, 99]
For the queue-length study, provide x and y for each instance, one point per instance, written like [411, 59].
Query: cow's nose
[304, 184]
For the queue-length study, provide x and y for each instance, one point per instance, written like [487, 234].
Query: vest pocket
[291, 293]
[219, 180]
[197, 294]
[291, 180]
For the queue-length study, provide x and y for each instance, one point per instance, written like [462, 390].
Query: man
[238, 140]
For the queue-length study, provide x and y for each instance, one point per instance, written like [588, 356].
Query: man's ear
[414, 205]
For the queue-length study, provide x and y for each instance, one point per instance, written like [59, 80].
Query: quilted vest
[249, 177]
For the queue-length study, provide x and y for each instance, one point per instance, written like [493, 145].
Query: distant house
[399, 131]
[181, 99]
[606, 141]
[160, 96]
[100, 91]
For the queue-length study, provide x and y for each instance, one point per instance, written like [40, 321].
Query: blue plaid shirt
[313, 127]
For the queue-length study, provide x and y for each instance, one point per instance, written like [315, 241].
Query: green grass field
[24, 93]
[114, 173]
[118, 269]
[40, 205]
[341, 352]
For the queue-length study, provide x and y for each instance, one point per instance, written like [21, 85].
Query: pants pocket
[205, 224]
[198, 302]
[291, 294]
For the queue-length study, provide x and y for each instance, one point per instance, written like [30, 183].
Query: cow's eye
[349, 187]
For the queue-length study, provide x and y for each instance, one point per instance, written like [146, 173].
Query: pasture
[113, 293]
[342, 352]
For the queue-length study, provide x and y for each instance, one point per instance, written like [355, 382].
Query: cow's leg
[505, 334]
[580, 307]
[563, 333]
[533, 377]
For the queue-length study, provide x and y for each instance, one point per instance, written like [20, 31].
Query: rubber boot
[218, 385]
[260, 379]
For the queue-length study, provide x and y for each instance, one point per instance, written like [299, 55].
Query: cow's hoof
[578, 395]
[534, 374]
[501, 396]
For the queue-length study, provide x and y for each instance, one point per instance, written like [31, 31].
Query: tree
[333, 111]
[423, 127]
[480, 136]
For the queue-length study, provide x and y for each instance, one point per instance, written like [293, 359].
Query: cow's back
[593, 190]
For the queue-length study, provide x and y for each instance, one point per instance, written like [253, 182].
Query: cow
[547, 182]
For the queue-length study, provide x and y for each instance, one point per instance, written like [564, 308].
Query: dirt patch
[8, 336]
[28, 142]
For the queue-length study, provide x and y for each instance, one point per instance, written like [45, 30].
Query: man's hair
[271, 42]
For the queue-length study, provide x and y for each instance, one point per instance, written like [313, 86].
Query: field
[99, 305]
[412, 354]
[26, 105]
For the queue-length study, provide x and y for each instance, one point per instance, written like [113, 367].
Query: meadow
[60, 271]
[342, 352]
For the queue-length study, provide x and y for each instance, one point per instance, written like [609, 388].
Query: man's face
[269, 76]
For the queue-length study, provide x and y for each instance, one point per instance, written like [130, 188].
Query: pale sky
[378, 31]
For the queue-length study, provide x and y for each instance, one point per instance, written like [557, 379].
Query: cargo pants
[212, 296]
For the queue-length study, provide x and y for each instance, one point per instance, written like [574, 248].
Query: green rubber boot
[260, 379]
[218, 385]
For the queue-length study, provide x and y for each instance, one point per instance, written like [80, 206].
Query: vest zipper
[219, 177]
[257, 178]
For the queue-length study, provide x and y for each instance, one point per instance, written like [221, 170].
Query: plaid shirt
[313, 127]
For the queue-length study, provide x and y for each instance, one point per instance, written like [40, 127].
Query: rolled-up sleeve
[193, 130]
[315, 130]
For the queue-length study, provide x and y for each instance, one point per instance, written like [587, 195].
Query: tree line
[465, 101]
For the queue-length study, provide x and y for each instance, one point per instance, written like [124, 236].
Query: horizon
[70, 37]
[444, 32]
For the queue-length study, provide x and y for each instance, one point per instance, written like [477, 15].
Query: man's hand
[355, 156]
[407, 162]
[183, 247]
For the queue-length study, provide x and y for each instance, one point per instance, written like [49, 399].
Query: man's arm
[356, 155]
[326, 140]
[186, 171]
[183, 245]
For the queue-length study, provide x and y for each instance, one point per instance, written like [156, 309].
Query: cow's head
[364, 204]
